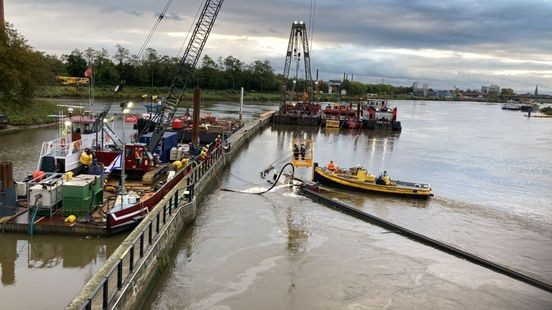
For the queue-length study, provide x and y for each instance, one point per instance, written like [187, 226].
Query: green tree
[209, 75]
[322, 86]
[122, 59]
[168, 67]
[21, 68]
[151, 63]
[358, 89]
[55, 68]
[261, 76]
[233, 69]
[347, 85]
[75, 63]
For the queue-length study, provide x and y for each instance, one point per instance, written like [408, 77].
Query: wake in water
[276, 180]
[539, 224]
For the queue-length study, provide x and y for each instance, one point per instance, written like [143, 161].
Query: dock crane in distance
[169, 104]
[298, 32]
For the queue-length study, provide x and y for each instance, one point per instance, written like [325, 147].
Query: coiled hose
[270, 188]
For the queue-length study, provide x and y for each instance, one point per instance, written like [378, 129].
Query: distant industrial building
[420, 91]
[491, 89]
[334, 86]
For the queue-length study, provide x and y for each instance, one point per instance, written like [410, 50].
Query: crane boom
[187, 65]
[100, 124]
[298, 29]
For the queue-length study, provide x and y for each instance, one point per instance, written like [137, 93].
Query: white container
[45, 195]
[20, 189]
[177, 153]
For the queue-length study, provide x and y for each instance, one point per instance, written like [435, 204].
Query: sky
[444, 43]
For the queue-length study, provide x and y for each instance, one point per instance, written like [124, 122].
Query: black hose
[441, 246]
[265, 191]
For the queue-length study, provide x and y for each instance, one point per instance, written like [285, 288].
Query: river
[46, 272]
[490, 171]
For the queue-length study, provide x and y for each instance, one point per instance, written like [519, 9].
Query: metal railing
[152, 227]
[144, 242]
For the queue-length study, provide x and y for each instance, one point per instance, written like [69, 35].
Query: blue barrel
[97, 169]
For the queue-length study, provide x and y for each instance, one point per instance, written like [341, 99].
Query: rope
[154, 28]
[247, 182]
[146, 41]
[187, 36]
[271, 165]
[312, 12]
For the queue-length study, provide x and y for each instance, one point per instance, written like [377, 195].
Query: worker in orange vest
[331, 166]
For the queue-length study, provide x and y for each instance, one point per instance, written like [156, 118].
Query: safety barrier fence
[145, 238]
[105, 289]
[144, 241]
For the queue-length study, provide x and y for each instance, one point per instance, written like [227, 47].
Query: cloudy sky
[443, 43]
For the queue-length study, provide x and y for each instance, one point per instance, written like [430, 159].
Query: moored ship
[377, 115]
[64, 196]
[359, 179]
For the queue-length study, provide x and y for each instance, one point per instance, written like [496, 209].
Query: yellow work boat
[360, 179]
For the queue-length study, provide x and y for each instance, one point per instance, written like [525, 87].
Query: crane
[298, 32]
[187, 66]
[138, 157]
[100, 125]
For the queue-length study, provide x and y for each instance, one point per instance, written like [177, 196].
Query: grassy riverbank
[136, 93]
[546, 110]
[28, 113]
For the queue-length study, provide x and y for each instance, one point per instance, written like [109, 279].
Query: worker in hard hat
[86, 160]
[296, 151]
[385, 178]
[204, 153]
[331, 166]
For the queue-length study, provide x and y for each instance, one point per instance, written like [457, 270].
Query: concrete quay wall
[129, 274]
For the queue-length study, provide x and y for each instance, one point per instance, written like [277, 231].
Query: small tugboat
[359, 179]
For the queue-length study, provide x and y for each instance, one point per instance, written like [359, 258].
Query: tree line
[23, 69]
[155, 70]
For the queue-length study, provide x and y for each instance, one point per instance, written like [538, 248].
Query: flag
[88, 72]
